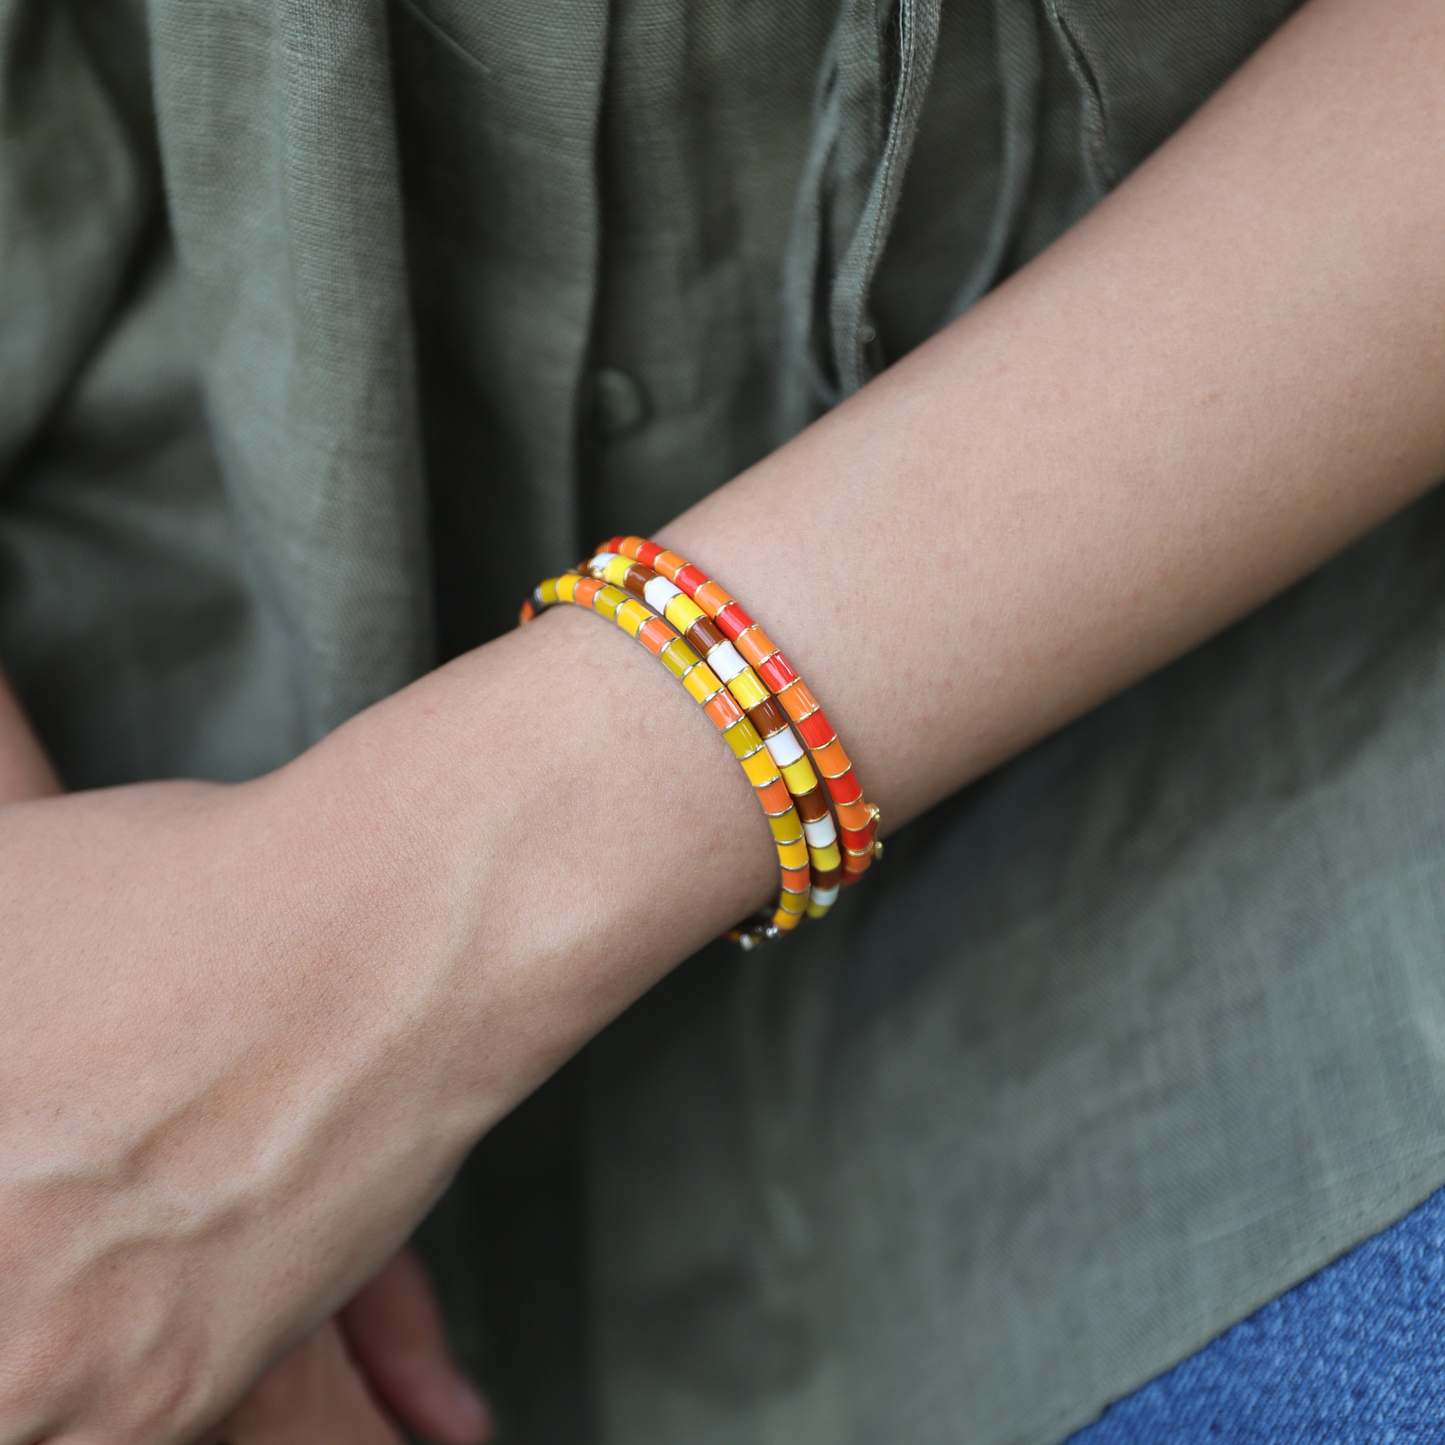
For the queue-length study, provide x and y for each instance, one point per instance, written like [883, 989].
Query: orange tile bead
[755, 645]
[655, 635]
[723, 710]
[711, 598]
[669, 564]
[797, 701]
[774, 796]
[855, 815]
[832, 761]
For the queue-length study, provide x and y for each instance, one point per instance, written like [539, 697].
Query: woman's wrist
[559, 827]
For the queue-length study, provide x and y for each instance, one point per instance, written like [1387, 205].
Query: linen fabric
[302, 310]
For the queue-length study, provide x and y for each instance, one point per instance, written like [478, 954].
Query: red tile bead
[732, 619]
[777, 672]
[689, 579]
[845, 789]
[815, 730]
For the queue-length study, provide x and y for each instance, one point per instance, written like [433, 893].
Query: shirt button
[618, 403]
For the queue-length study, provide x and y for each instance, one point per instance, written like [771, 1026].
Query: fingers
[394, 1330]
[312, 1396]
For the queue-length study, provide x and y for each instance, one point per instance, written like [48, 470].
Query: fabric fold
[279, 149]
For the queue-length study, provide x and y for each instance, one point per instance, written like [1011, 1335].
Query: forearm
[1223, 375]
[1228, 371]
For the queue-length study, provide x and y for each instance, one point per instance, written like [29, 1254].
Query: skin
[251, 1031]
[383, 1359]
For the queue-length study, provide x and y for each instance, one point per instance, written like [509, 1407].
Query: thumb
[394, 1330]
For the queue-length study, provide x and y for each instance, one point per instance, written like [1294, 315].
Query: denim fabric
[1355, 1353]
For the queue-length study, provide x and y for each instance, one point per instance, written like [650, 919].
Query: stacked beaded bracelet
[672, 616]
[857, 818]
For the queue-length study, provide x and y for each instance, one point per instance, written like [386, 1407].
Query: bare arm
[385, 1348]
[1228, 371]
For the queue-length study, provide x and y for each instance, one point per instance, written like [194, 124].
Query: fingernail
[471, 1406]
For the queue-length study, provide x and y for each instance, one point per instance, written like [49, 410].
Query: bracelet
[707, 689]
[755, 698]
[857, 818]
[756, 702]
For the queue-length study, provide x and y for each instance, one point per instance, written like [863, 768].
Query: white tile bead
[725, 661]
[659, 592]
[784, 747]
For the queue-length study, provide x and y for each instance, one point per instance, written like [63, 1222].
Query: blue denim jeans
[1355, 1353]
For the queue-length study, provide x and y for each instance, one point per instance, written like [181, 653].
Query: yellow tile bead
[826, 859]
[749, 689]
[793, 855]
[608, 600]
[702, 682]
[679, 657]
[616, 570]
[743, 738]
[549, 591]
[631, 616]
[761, 769]
[818, 910]
[682, 612]
[567, 587]
[796, 903]
[786, 922]
[786, 829]
[800, 777]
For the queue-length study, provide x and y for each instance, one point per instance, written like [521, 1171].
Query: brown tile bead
[704, 635]
[812, 807]
[828, 879]
[768, 717]
[637, 578]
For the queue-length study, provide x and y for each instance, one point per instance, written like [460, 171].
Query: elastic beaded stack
[734, 671]
[752, 696]
[857, 818]
[707, 689]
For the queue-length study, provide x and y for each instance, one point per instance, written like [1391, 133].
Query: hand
[383, 1356]
[252, 1030]
[146, 1168]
